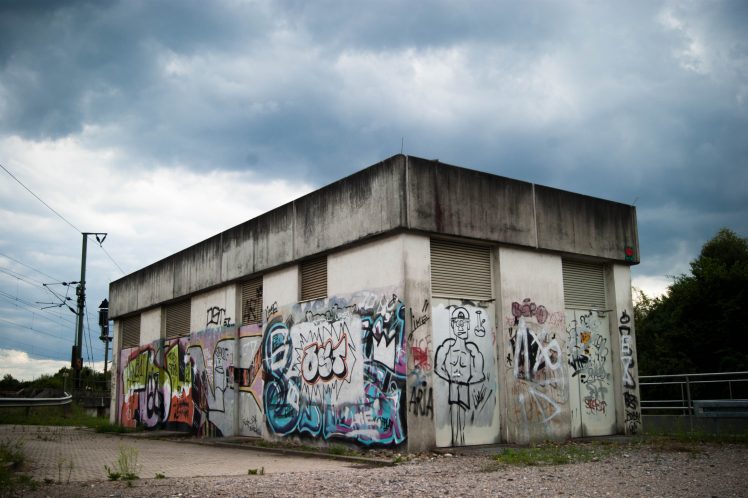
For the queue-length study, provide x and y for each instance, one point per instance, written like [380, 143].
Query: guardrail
[32, 402]
[678, 394]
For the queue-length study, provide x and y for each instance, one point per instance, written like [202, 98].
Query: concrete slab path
[79, 454]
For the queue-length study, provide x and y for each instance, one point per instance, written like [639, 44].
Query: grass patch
[126, 466]
[551, 454]
[69, 415]
[256, 472]
[12, 459]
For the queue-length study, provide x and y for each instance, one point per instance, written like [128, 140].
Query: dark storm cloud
[632, 101]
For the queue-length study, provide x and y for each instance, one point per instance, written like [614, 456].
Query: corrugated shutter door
[314, 279]
[178, 319]
[584, 285]
[460, 270]
[252, 301]
[130, 331]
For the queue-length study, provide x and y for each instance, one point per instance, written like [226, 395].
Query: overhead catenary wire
[85, 234]
[30, 267]
[39, 198]
[57, 213]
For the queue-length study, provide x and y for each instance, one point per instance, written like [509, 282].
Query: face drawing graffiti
[460, 323]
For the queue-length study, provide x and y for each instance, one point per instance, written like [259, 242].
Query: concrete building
[412, 303]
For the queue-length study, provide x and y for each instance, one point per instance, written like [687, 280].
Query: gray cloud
[642, 102]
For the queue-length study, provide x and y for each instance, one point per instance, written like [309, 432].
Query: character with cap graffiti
[460, 363]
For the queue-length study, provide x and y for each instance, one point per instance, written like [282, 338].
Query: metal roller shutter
[130, 327]
[177, 319]
[252, 301]
[584, 285]
[460, 270]
[314, 279]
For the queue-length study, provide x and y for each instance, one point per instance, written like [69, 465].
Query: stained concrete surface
[78, 454]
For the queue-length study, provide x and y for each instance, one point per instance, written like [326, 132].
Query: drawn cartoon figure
[459, 362]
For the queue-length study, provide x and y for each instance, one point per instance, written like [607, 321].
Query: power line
[58, 214]
[29, 267]
[33, 329]
[39, 198]
[110, 257]
[32, 350]
[31, 308]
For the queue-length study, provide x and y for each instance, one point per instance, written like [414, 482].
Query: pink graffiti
[529, 309]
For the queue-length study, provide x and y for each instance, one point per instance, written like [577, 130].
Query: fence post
[690, 404]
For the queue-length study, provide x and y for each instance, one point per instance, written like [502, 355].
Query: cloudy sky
[163, 123]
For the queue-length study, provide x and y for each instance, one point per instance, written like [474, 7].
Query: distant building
[411, 303]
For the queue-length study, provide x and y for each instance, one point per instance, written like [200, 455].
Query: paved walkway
[78, 454]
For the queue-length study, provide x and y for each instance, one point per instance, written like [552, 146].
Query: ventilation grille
[314, 279]
[130, 331]
[460, 270]
[178, 319]
[584, 285]
[252, 301]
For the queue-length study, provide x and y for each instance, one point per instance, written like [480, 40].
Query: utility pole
[81, 292]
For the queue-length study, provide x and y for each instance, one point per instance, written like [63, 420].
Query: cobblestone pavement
[623, 468]
[78, 454]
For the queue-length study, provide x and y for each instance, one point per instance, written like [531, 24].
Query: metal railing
[32, 402]
[675, 394]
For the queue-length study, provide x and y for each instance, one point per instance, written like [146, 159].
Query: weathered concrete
[579, 224]
[400, 193]
[457, 201]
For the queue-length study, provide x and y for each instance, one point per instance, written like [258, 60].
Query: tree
[698, 325]
[8, 383]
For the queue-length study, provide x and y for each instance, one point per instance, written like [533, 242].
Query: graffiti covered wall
[465, 385]
[192, 383]
[534, 365]
[336, 368]
[590, 365]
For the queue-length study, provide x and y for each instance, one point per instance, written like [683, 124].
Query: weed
[159, 475]
[11, 453]
[256, 472]
[398, 459]
[12, 458]
[550, 454]
[126, 466]
[337, 450]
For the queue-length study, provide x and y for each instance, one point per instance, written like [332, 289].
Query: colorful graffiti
[535, 360]
[189, 383]
[336, 368]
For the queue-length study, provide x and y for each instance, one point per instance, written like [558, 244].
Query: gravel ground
[641, 469]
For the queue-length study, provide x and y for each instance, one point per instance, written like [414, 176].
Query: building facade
[412, 303]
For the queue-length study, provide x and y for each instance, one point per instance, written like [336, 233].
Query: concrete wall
[624, 341]
[399, 193]
[418, 323]
[150, 325]
[532, 347]
[335, 367]
[214, 308]
[328, 368]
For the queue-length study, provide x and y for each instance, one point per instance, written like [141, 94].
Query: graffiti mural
[631, 400]
[189, 383]
[336, 368]
[465, 369]
[420, 366]
[535, 363]
[590, 367]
